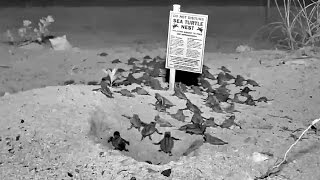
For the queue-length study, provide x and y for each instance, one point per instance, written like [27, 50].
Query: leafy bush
[27, 33]
[299, 25]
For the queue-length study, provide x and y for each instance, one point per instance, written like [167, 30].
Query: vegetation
[299, 24]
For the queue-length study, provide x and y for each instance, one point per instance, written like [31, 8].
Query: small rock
[243, 48]
[166, 172]
[101, 154]
[297, 62]
[238, 176]
[92, 83]
[147, 57]
[251, 140]
[103, 54]
[151, 170]
[11, 150]
[17, 138]
[259, 157]
[6, 94]
[116, 61]
[70, 174]
[68, 82]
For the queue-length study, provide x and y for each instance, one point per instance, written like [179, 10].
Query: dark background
[74, 3]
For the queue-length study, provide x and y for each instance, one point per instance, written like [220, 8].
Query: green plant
[27, 33]
[299, 25]
[112, 74]
[42, 30]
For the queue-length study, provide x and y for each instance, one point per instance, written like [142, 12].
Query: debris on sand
[194, 146]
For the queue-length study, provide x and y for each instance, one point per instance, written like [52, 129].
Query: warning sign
[186, 41]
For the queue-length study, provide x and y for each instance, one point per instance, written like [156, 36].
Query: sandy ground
[45, 132]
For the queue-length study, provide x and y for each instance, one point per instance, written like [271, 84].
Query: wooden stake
[172, 78]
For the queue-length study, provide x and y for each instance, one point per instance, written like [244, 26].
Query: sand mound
[45, 133]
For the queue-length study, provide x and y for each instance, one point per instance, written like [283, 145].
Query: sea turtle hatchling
[135, 122]
[167, 143]
[118, 142]
[148, 130]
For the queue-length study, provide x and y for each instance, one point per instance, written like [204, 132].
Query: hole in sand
[187, 78]
[101, 129]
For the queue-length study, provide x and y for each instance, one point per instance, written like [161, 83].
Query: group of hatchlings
[166, 144]
[198, 123]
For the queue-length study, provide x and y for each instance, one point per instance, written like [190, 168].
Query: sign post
[172, 78]
[186, 41]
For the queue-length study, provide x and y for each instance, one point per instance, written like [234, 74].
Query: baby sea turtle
[154, 84]
[179, 115]
[135, 122]
[132, 61]
[181, 86]
[196, 90]
[197, 118]
[211, 100]
[236, 98]
[229, 122]
[252, 83]
[263, 99]
[193, 108]
[229, 107]
[140, 91]
[162, 122]
[116, 61]
[118, 142]
[178, 92]
[216, 108]
[164, 100]
[104, 89]
[250, 101]
[245, 91]
[167, 143]
[193, 129]
[210, 122]
[213, 140]
[224, 69]
[205, 84]
[148, 130]
[223, 78]
[125, 92]
[239, 81]
[162, 103]
[207, 74]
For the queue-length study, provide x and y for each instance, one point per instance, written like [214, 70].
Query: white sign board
[186, 41]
